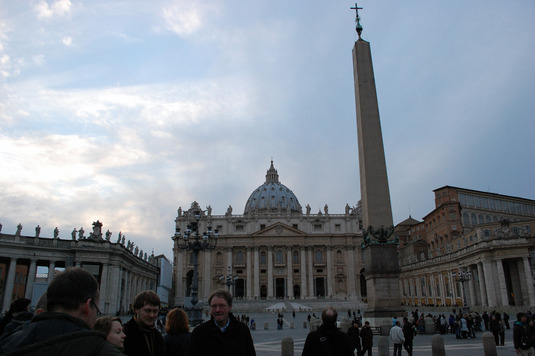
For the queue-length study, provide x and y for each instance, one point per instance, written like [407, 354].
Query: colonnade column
[309, 272]
[289, 274]
[330, 275]
[304, 291]
[31, 279]
[489, 283]
[51, 268]
[123, 305]
[351, 275]
[257, 273]
[482, 289]
[529, 281]
[270, 272]
[10, 282]
[103, 288]
[442, 288]
[471, 288]
[501, 283]
[249, 281]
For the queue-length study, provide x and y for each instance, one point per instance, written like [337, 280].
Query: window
[317, 226]
[295, 226]
[239, 227]
[263, 259]
[262, 226]
[239, 258]
[337, 227]
[295, 258]
[279, 257]
[319, 256]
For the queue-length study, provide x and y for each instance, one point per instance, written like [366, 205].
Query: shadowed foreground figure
[327, 340]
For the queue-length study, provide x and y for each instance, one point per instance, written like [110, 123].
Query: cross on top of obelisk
[358, 28]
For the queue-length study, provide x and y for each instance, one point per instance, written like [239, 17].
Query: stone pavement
[268, 342]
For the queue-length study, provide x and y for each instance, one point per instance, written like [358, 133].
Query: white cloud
[58, 8]
[185, 17]
[67, 41]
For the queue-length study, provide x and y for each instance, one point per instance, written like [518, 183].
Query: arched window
[295, 258]
[339, 257]
[473, 219]
[466, 218]
[218, 258]
[263, 259]
[239, 258]
[487, 219]
[480, 219]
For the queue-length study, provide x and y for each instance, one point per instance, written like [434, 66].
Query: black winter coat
[366, 334]
[176, 345]
[208, 340]
[142, 342]
[336, 341]
[55, 334]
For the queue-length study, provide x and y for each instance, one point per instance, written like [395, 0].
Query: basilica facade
[273, 250]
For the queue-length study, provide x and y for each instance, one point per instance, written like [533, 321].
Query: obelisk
[380, 246]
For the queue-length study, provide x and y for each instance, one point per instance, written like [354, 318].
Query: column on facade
[351, 274]
[289, 274]
[302, 269]
[31, 279]
[442, 288]
[434, 288]
[471, 288]
[51, 268]
[482, 289]
[207, 279]
[113, 288]
[330, 272]
[270, 273]
[179, 278]
[10, 283]
[257, 273]
[528, 278]
[501, 280]
[126, 292]
[489, 283]
[103, 286]
[249, 281]
[310, 265]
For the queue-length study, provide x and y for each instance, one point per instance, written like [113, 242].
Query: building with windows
[484, 236]
[275, 249]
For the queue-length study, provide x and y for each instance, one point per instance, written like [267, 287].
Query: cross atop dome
[358, 27]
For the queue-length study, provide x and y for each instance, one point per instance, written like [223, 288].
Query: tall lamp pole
[463, 276]
[230, 280]
[195, 241]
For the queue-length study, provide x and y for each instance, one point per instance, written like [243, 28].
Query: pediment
[279, 229]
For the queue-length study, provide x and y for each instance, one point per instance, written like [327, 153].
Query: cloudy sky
[122, 111]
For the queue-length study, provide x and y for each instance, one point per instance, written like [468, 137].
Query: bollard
[489, 344]
[291, 325]
[384, 346]
[437, 345]
[253, 325]
[266, 326]
[429, 326]
[305, 325]
[287, 346]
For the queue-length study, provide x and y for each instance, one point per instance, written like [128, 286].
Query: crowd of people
[67, 321]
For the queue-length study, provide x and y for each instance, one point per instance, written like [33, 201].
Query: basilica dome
[272, 196]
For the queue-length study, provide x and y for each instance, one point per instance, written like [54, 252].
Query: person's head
[146, 308]
[41, 304]
[522, 317]
[356, 323]
[367, 324]
[398, 323]
[177, 322]
[74, 291]
[329, 316]
[21, 305]
[405, 319]
[112, 327]
[220, 306]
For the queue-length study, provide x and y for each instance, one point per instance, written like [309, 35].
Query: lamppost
[194, 241]
[230, 280]
[463, 276]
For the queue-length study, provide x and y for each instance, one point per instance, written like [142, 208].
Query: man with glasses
[223, 334]
[142, 337]
[65, 328]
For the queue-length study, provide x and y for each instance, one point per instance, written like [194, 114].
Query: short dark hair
[221, 293]
[329, 316]
[71, 288]
[520, 315]
[103, 324]
[177, 322]
[146, 297]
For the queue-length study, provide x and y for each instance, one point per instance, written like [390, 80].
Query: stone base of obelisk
[382, 284]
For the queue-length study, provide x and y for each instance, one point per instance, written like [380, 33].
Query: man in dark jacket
[327, 340]
[142, 337]
[64, 329]
[354, 337]
[521, 336]
[366, 334]
[223, 334]
[408, 333]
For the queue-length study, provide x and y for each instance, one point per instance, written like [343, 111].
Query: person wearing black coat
[176, 340]
[366, 334]
[408, 333]
[223, 334]
[353, 336]
[327, 340]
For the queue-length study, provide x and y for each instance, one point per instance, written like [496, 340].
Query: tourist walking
[408, 333]
[327, 340]
[366, 335]
[397, 337]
